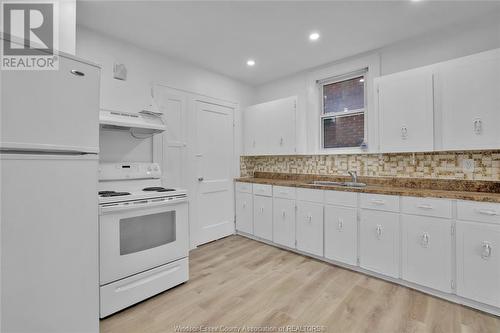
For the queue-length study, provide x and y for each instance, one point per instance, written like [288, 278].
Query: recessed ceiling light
[250, 62]
[415, 0]
[314, 36]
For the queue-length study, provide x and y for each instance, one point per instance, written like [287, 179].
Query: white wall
[145, 68]
[452, 42]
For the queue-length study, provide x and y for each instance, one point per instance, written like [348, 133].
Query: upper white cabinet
[269, 128]
[405, 108]
[452, 105]
[468, 102]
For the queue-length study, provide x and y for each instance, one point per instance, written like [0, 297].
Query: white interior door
[214, 156]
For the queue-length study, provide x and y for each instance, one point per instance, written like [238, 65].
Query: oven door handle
[132, 205]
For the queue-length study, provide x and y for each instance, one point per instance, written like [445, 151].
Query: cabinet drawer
[284, 192]
[478, 211]
[312, 195]
[262, 189]
[426, 206]
[379, 202]
[340, 198]
[123, 293]
[244, 187]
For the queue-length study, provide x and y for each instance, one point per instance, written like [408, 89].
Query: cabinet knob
[379, 231]
[283, 213]
[340, 225]
[244, 204]
[486, 253]
[404, 132]
[262, 210]
[281, 141]
[477, 125]
[424, 241]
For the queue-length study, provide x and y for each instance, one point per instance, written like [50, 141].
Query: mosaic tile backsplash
[441, 165]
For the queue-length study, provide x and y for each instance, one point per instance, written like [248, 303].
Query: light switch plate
[468, 165]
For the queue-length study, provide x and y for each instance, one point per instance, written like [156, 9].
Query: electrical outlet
[468, 165]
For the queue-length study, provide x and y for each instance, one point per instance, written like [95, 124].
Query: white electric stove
[143, 235]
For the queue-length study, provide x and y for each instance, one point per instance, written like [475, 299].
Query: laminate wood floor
[237, 282]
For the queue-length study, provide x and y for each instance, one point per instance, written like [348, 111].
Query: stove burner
[158, 189]
[106, 194]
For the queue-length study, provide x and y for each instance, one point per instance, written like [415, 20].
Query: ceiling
[222, 35]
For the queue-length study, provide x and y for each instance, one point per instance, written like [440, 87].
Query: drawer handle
[77, 73]
[262, 210]
[378, 202]
[379, 231]
[283, 213]
[488, 212]
[424, 206]
[486, 253]
[340, 225]
[425, 240]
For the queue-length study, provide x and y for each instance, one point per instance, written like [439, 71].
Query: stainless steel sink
[345, 184]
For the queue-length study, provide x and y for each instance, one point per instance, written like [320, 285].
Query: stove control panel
[122, 171]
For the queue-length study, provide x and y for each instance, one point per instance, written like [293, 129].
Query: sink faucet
[354, 176]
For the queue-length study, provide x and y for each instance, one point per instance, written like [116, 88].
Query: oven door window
[145, 232]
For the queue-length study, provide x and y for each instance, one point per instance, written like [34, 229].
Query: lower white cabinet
[284, 222]
[426, 251]
[379, 242]
[310, 227]
[478, 262]
[341, 233]
[244, 212]
[263, 217]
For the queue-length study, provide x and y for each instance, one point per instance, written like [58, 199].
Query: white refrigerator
[49, 141]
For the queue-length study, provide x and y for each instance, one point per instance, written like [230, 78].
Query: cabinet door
[478, 262]
[341, 231]
[244, 212]
[250, 130]
[468, 102]
[426, 251]
[281, 120]
[263, 217]
[269, 128]
[406, 113]
[284, 222]
[379, 242]
[310, 227]
[51, 110]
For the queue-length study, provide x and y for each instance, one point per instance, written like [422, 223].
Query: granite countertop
[485, 191]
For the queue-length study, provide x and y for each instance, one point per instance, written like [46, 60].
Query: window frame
[322, 115]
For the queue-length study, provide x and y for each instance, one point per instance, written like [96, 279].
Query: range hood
[144, 122]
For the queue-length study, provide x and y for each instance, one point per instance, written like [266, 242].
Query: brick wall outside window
[348, 131]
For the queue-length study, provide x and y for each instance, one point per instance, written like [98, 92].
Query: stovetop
[112, 196]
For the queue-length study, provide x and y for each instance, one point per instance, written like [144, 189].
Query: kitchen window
[343, 111]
